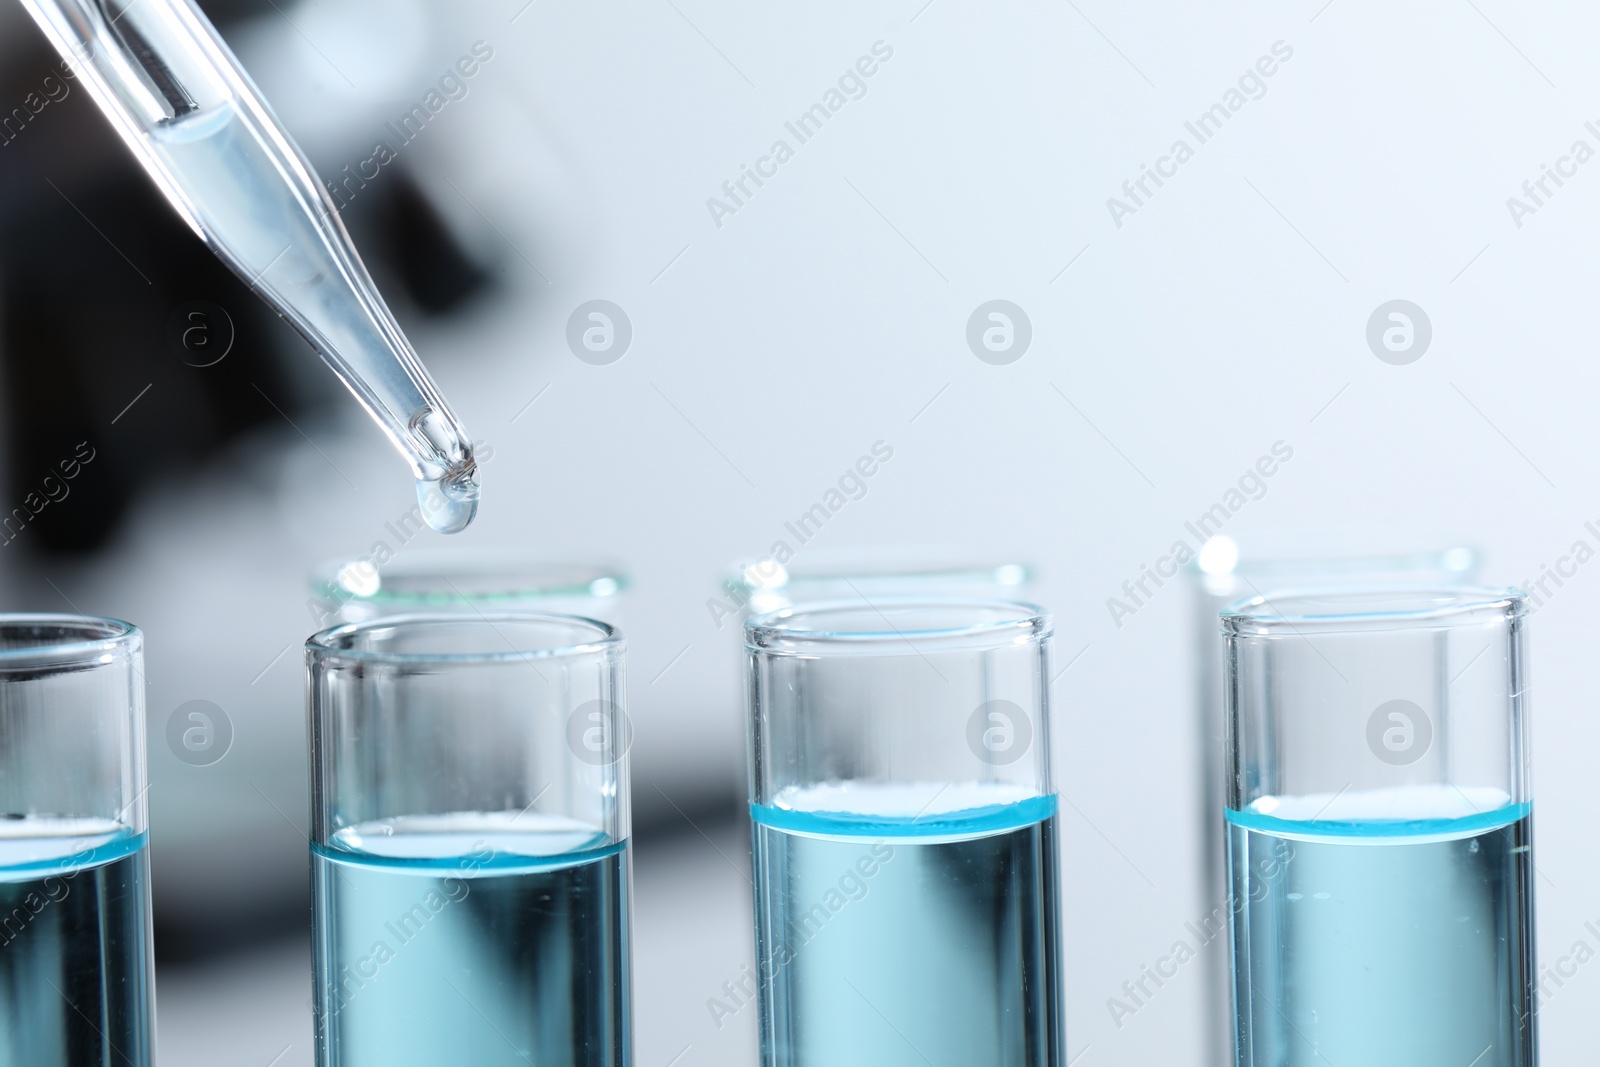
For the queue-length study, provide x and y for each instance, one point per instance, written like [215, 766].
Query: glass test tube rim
[1401, 606]
[1005, 574]
[776, 633]
[527, 577]
[1457, 558]
[86, 639]
[1221, 572]
[325, 645]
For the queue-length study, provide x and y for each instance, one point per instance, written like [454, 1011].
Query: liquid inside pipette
[254, 216]
[192, 117]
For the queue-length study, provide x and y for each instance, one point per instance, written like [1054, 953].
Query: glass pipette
[181, 101]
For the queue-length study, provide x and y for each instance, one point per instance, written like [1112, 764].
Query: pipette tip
[459, 491]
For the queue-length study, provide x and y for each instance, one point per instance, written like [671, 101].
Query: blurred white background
[1170, 348]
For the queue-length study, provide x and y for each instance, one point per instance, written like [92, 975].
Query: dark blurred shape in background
[105, 294]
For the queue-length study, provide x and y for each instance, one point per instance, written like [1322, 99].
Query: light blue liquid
[1395, 942]
[467, 942]
[76, 980]
[889, 939]
[270, 225]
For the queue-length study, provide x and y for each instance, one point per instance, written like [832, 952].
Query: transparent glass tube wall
[76, 976]
[1224, 573]
[905, 836]
[470, 841]
[1379, 828]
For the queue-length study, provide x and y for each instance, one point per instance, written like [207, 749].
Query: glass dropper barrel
[184, 105]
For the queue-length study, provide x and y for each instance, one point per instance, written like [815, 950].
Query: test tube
[1224, 572]
[904, 827]
[357, 588]
[76, 978]
[1379, 834]
[872, 573]
[469, 842]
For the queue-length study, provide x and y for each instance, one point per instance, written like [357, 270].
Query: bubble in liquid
[459, 491]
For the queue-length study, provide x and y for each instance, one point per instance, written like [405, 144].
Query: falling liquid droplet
[459, 493]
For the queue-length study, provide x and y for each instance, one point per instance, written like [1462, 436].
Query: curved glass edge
[469, 866]
[603, 582]
[968, 822]
[1469, 605]
[595, 590]
[1377, 831]
[119, 846]
[85, 641]
[323, 647]
[1003, 575]
[774, 632]
[1230, 560]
